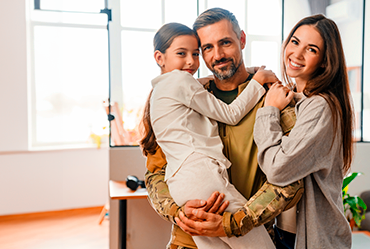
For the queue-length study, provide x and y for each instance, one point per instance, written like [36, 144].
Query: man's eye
[226, 42]
[206, 48]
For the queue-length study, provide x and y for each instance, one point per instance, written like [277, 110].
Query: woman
[319, 148]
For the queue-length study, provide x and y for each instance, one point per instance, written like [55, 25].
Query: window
[69, 72]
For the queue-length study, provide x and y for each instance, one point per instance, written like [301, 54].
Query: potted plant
[354, 206]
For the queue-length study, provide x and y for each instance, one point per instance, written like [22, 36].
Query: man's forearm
[159, 195]
[265, 205]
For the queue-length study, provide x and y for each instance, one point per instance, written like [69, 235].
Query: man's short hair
[215, 15]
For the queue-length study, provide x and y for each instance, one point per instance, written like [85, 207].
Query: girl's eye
[312, 50]
[181, 53]
[196, 54]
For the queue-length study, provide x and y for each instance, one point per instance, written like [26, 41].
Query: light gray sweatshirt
[307, 154]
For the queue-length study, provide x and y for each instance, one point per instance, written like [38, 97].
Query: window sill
[54, 148]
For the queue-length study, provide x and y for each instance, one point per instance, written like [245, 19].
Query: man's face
[221, 48]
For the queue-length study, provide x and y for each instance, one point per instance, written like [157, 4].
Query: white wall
[45, 180]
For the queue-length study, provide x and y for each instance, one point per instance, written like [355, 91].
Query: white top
[308, 153]
[184, 115]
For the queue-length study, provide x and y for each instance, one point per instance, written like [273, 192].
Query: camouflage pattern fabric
[264, 206]
[159, 195]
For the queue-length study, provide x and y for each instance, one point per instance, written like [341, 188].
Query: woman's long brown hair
[330, 81]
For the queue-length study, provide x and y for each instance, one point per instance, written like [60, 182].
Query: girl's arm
[189, 92]
[285, 160]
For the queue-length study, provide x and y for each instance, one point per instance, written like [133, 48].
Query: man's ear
[243, 39]
[158, 56]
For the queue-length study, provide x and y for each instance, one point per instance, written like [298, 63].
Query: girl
[182, 117]
[319, 148]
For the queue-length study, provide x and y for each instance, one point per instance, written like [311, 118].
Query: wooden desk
[119, 191]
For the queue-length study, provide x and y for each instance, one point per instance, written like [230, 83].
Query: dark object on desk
[133, 183]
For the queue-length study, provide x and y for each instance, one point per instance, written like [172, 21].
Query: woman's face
[304, 54]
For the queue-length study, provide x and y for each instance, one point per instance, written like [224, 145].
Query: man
[222, 43]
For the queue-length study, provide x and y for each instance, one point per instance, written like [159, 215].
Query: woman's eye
[312, 50]
[196, 54]
[294, 42]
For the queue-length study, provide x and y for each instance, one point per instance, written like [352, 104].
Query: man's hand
[204, 217]
[214, 204]
[208, 225]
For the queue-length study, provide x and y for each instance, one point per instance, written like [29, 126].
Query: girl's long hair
[162, 41]
[330, 81]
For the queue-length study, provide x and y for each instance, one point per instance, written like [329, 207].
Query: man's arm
[159, 194]
[265, 205]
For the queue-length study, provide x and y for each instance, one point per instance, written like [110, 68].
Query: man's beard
[225, 72]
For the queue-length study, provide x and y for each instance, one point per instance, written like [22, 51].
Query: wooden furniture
[119, 191]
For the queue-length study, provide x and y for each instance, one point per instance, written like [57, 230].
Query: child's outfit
[184, 118]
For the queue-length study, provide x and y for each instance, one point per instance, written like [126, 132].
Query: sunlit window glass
[186, 16]
[266, 21]
[138, 69]
[71, 79]
[366, 84]
[141, 13]
[265, 53]
[72, 5]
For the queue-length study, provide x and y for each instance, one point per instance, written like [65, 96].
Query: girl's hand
[278, 96]
[263, 76]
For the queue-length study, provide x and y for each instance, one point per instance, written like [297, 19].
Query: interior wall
[141, 217]
[44, 180]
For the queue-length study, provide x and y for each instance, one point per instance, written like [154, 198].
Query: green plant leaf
[350, 178]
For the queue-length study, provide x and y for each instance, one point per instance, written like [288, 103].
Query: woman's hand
[278, 96]
[263, 76]
[208, 224]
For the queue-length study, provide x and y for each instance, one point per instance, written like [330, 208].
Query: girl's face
[183, 54]
[304, 54]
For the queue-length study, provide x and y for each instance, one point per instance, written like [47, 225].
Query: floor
[72, 229]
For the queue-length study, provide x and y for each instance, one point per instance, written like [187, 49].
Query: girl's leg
[198, 178]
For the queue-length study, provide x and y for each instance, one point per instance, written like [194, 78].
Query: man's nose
[218, 53]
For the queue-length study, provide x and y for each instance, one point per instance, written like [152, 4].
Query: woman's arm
[288, 159]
